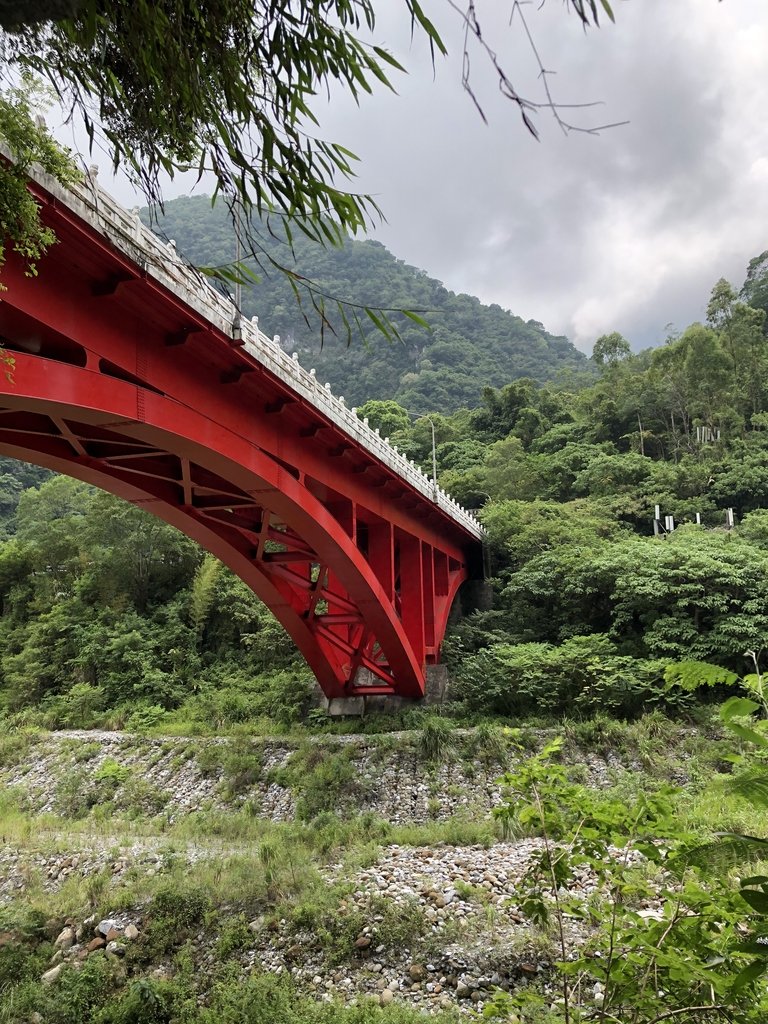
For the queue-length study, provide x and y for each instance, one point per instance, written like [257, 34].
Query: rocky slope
[436, 925]
[172, 777]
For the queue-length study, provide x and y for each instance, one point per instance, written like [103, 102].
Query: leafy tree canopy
[230, 87]
[471, 345]
[29, 143]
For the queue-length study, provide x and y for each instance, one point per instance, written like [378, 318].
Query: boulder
[52, 975]
[66, 938]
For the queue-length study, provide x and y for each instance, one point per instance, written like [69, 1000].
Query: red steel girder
[123, 386]
[39, 385]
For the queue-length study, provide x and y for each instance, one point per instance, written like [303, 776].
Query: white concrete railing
[160, 260]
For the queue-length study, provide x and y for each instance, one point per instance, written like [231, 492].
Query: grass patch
[321, 777]
[16, 746]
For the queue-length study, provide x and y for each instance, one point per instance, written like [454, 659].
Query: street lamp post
[424, 416]
[434, 454]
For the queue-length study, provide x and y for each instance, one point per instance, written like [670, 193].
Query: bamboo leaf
[749, 975]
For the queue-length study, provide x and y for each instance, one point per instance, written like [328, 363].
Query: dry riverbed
[102, 822]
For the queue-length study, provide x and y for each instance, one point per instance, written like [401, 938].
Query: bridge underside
[120, 387]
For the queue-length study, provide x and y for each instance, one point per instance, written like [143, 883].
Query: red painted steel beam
[87, 397]
[121, 383]
[129, 330]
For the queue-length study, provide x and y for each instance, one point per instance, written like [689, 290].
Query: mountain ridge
[470, 345]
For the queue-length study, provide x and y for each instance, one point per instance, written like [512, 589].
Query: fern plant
[734, 850]
[671, 937]
[202, 593]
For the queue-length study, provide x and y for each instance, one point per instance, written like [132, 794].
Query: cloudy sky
[625, 230]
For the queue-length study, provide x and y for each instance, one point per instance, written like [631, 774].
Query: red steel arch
[120, 383]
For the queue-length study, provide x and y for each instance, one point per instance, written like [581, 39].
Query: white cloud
[628, 230]
[625, 231]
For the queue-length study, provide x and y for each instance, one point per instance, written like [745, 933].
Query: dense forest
[469, 346]
[109, 615]
[629, 838]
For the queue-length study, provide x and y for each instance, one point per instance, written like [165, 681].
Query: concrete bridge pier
[436, 692]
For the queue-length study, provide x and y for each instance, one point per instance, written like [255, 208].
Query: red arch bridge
[133, 374]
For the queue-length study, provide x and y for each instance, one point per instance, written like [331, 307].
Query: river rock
[51, 976]
[66, 938]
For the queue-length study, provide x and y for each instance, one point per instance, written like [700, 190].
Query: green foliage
[692, 950]
[159, 114]
[233, 937]
[610, 349]
[239, 761]
[111, 771]
[15, 747]
[696, 596]
[22, 960]
[179, 907]
[280, 696]
[470, 345]
[78, 708]
[690, 675]
[149, 1001]
[173, 912]
[109, 614]
[29, 143]
[491, 743]
[274, 999]
[144, 717]
[202, 591]
[585, 674]
[518, 530]
[319, 776]
[435, 742]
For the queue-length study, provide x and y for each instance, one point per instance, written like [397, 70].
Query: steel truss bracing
[120, 383]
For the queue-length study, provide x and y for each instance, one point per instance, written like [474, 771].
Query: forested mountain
[109, 615]
[470, 346]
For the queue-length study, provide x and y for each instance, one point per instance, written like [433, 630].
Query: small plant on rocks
[174, 911]
[670, 944]
[436, 742]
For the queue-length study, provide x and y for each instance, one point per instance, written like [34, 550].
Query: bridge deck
[159, 263]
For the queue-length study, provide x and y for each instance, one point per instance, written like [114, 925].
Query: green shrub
[78, 993]
[140, 797]
[145, 716]
[112, 772]
[239, 762]
[19, 962]
[14, 747]
[179, 906]
[259, 999]
[584, 674]
[273, 999]
[319, 777]
[280, 696]
[84, 752]
[233, 937]
[151, 1001]
[334, 922]
[436, 741]
[74, 797]
[491, 743]
[173, 913]
[78, 708]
